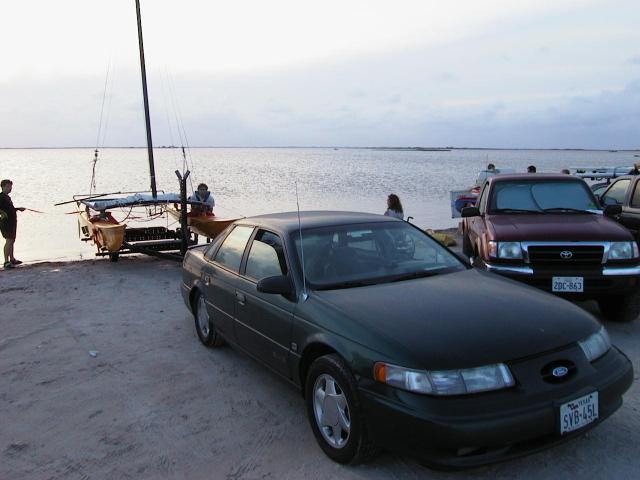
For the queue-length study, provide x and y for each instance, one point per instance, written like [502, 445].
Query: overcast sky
[514, 74]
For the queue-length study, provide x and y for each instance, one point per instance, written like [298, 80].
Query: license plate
[567, 284]
[578, 413]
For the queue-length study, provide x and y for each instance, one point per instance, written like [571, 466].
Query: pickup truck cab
[549, 231]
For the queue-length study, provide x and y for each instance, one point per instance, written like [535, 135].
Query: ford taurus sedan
[397, 343]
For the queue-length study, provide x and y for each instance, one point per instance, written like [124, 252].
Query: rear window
[232, 249]
[540, 196]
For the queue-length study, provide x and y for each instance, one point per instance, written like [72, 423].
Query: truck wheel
[621, 309]
[467, 249]
[334, 411]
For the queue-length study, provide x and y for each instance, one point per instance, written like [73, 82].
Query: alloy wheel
[331, 411]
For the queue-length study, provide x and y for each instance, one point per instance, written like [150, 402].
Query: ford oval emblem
[560, 372]
[566, 254]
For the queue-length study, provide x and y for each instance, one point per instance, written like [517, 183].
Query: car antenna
[304, 277]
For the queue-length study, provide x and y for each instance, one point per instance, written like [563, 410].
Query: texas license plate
[578, 413]
[567, 284]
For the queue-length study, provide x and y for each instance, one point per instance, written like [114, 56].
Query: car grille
[556, 255]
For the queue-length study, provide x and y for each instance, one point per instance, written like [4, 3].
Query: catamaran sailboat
[112, 237]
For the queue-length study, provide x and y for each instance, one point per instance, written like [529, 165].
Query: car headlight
[596, 345]
[623, 250]
[445, 382]
[505, 250]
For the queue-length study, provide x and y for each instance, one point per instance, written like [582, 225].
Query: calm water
[250, 181]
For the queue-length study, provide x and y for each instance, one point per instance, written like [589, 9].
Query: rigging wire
[101, 132]
[168, 117]
[181, 130]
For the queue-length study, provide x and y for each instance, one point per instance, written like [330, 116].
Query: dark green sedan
[397, 343]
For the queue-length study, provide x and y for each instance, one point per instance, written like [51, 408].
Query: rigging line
[166, 111]
[104, 95]
[175, 114]
[92, 185]
[178, 114]
[109, 103]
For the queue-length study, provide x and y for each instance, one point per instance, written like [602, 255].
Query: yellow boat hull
[205, 225]
[103, 233]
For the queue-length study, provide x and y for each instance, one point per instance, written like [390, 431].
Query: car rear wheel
[621, 308]
[205, 326]
[334, 412]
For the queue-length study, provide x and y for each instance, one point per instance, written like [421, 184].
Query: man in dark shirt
[8, 223]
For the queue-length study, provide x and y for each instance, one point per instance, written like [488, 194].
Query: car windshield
[526, 196]
[344, 256]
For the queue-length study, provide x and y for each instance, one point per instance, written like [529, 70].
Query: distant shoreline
[411, 149]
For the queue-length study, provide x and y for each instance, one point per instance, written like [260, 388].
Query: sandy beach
[102, 376]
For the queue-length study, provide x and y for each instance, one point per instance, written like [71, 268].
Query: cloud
[635, 60]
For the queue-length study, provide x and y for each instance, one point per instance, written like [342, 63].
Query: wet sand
[102, 376]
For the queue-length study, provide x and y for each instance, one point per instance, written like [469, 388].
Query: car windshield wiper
[566, 210]
[412, 275]
[350, 284]
[513, 210]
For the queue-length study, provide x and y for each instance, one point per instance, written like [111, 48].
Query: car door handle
[240, 298]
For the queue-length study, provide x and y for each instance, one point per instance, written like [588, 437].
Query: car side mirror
[611, 210]
[279, 284]
[470, 212]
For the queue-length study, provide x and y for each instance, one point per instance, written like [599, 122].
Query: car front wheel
[334, 412]
[205, 326]
[621, 308]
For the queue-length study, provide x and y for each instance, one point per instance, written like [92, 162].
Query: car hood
[559, 227]
[459, 320]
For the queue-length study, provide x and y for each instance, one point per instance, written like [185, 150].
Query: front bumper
[471, 430]
[602, 281]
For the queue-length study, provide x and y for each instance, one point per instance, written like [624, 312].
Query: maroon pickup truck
[549, 231]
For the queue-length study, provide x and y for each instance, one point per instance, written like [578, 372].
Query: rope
[181, 130]
[101, 132]
[166, 111]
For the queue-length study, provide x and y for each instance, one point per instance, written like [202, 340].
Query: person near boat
[394, 207]
[8, 223]
[204, 196]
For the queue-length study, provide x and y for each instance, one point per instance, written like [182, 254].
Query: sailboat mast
[143, 70]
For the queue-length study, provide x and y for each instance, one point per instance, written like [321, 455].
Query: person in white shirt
[394, 207]
[202, 194]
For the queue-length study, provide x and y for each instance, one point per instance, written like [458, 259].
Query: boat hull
[205, 225]
[105, 234]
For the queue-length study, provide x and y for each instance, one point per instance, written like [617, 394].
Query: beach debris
[444, 238]
[93, 353]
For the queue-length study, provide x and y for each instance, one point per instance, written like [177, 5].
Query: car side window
[231, 250]
[635, 200]
[616, 193]
[212, 249]
[266, 257]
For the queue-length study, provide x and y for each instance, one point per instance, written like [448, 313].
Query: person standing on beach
[202, 194]
[394, 207]
[8, 223]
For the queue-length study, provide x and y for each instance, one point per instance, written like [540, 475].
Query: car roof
[288, 221]
[534, 176]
